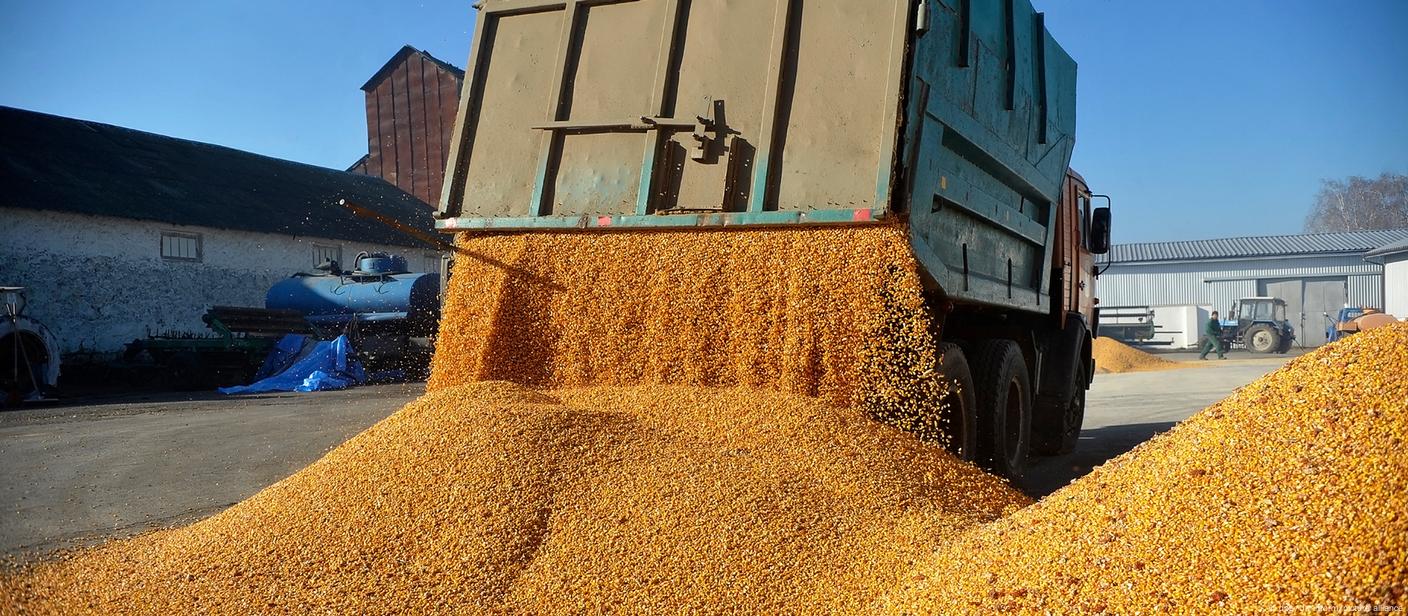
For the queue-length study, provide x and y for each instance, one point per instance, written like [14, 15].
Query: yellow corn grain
[491, 497]
[699, 440]
[1289, 496]
[835, 313]
[1115, 356]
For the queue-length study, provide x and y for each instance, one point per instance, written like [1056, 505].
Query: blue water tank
[399, 302]
[380, 263]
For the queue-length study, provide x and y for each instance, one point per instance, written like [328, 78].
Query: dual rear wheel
[989, 405]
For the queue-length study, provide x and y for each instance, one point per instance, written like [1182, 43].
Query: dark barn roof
[1346, 242]
[54, 163]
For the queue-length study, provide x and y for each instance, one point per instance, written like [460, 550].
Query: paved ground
[123, 465]
[117, 466]
[1124, 410]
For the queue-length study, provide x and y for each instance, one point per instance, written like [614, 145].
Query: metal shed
[1183, 281]
[1394, 258]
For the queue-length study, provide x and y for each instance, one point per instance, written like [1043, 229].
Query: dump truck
[955, 118]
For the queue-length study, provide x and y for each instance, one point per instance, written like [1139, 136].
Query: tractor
[1354, 319]
[1259, 324]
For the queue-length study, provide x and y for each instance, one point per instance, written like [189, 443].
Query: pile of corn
[493, 497]
[835, 313]
[1290, 495]
[1114, 356]
[700, 441]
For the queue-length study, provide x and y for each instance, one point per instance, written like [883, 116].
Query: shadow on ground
[1097, 445]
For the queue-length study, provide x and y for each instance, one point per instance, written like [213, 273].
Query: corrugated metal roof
[1390, 249]
[1262, 246]
[49, 162]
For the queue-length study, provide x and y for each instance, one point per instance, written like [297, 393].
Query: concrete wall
[100, 282]
[1396, 285]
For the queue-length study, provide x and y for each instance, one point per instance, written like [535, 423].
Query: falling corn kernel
[834, 313]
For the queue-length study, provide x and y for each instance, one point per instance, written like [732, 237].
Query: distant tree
[1357, 204]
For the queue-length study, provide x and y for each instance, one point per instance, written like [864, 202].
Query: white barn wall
[100, 282]
[1396, 285]
[1368, 290]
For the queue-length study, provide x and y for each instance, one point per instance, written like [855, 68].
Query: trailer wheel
[1004, 408]
[960, 403]
[185, 371]
[1059, 431]
[1262, 339]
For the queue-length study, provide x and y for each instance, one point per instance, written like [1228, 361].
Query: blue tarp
[296, 365]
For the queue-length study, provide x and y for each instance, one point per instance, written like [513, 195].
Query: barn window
[322, 253]
[178, 246]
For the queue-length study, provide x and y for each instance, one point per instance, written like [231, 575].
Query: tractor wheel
[960, 403]
[1056, 433]
[1004, 408]
[1262, 339]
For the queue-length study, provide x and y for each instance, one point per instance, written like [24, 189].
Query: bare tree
[1357, 203]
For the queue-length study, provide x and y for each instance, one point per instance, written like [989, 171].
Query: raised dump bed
[954, 117]
[957, 115]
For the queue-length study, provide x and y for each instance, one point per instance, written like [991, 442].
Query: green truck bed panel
[956, 116]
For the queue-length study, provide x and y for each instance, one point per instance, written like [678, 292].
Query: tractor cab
[1259, 324]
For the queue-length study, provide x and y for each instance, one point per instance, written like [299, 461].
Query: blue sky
[1202, 118]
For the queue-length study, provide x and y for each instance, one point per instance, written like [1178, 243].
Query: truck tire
[1004, 408]
[1262, 339]
[1056, 433]
[960, 404]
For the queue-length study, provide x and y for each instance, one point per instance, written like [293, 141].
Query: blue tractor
[1259, 324]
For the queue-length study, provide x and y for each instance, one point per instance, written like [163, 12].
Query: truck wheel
[1262, 339]
[1056, 433]
[960, 404]
[1004, 408]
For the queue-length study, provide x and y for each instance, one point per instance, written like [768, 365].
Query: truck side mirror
[1099, 241]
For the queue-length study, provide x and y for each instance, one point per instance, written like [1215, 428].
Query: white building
[1394, 258]
[1183, 281]
[117, 232]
